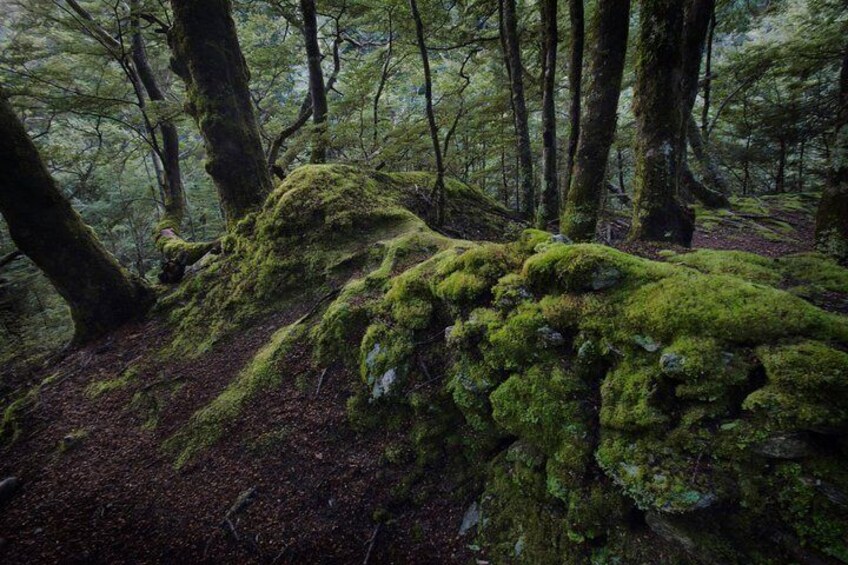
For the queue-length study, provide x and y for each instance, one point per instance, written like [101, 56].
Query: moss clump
[807, 384]
[809, 275]
[208, 424]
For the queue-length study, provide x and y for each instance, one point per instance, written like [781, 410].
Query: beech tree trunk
[708, 77]
[549, 202]
[575, 83]
[316, 81]
[439, 187]
[208, 58]
[509, 28]
[609, 25]
[714, 178]
[658, 105]
[832, 217]
[100, 293]
[174, 201]
[711, 192]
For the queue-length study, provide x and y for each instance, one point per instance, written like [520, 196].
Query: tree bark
[708, 77]
[522, 129]
[716, 184]
[316, 80]
[780, 177]
[609, 25]
[832, 217]
[174, 195]
[575, 84]
[100, 293]
[549, 202]
[698, 15]
[658, 104]
[208, 58]
[439, 187]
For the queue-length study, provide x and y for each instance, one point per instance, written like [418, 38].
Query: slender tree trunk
[316, 80]
[549, 203]
[780, 177]
[100, 293]
[439, 188]
[698, 15]
[708, 77]
[658, 104]
[715, 181]
[575, 83]
[208, 58]
[801, 149]
[609, 25]
[522, 129]
[832, 217]
[174, 201]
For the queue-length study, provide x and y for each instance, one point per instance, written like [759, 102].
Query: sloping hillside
[346, 383]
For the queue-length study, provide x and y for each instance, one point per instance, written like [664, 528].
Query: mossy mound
[320, 227]
[640, 400]
[607, 408]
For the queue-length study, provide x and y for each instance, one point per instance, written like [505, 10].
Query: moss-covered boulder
[603, 407]
[618, 408]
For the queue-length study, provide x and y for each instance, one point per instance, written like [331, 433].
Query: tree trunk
[174, 201]
[100, 293]
[610, 25]
[522, 129]
[208, 58]
[708, 77]
[439, 188]
[832, 217]
[658, 104]
[698, 14]
[575, 83]
[716, 184]
[549, 202]
[800, 185]
[316, 80]
[780, 177]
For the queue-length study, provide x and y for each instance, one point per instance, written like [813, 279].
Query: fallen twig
[371, 543]
[320, 381]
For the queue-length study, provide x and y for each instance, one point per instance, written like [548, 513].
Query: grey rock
[372, 355]
[672, 363]
[550, 336]
[646, 343]
[471, 518]
[670, 532]
[519, 547]
[707, 499]
[8, 488]
[605, 277]
[448, 332]
[783, 446]
[383, 385]
[560, 238]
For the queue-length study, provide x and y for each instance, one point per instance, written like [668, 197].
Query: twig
[320, 381]
[280, 554]
[371, 542]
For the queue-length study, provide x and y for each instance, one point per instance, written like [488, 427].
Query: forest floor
[97, 486]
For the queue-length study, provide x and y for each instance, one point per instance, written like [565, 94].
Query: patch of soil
[113, 496]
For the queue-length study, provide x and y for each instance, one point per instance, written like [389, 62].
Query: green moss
[748, 266]
[208, 424]
[807, 389]
[99, 388]
[724, 307]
